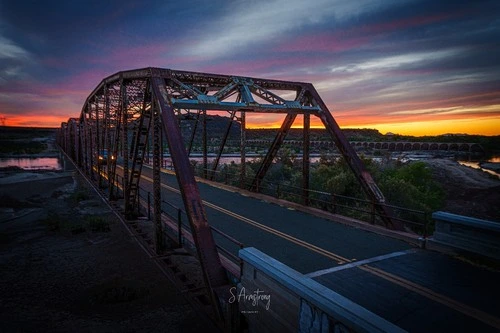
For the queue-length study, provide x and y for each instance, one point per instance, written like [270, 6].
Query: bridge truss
[130, 115]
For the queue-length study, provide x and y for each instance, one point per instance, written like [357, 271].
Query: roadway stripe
[423, 291]
[359, 263]
[339, 259]
[451, 303]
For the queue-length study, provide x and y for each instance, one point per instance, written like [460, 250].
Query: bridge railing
[225, 244]
[415, 221]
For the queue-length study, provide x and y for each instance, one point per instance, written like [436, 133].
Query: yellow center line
[339, 259]
[449, 302]
[423, 291]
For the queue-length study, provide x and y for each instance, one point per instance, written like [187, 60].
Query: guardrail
[416, 221]
[466, 234]
[288, 301]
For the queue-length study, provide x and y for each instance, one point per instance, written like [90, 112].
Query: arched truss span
[130, 111]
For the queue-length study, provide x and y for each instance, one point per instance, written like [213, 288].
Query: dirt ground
[60, 275]
[68, 265]
[469, 191]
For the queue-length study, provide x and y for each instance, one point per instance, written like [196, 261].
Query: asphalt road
[418, 290]
[304, 242]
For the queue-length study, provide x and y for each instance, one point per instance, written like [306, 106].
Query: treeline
[21, 147]
[408, 185]
[23, 140]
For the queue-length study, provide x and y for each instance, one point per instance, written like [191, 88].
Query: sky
[417, 67]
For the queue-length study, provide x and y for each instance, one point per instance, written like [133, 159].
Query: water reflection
[37, 163]
[476, 165]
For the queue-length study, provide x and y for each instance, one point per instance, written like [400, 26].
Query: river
[32, 163]
[477, 164]
[55, 163]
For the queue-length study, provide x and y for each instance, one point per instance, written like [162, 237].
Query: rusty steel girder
[116, 121]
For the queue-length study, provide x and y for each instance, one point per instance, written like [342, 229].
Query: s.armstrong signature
[255, 297]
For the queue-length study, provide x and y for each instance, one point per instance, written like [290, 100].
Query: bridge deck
[423, 291]
[420, 291]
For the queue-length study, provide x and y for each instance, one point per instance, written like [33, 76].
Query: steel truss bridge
[133, 114]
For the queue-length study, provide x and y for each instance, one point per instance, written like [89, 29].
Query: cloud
[9, 50]
[252, 22]
[454, 110]
[13, 59]
[395, 61]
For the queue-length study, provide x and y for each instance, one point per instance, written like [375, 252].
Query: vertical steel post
[306, 159]
[179, 226]
[108, 126]
[243, 142]
[125, 153]
[149, 205]
[159, 234]
[162, 161]
[115, 149]
[334, 204]
[98, 142]
[83, 135]
[91, 144]
[148, 152]
[204, 138]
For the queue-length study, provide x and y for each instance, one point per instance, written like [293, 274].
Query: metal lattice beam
[117, 116]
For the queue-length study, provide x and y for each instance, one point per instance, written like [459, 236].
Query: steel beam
[222, 144]
[117, 102]
[354, 162]
[204, 143]
[192, 104]
[98, 135]
[273, 150]
[157, 152]
[191, 90]
[125, 153]
[213, 272]
[115, 150]
[305, 159]
[193, 132]
[243, 154]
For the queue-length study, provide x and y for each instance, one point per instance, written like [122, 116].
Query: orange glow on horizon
[489, 126]
[481, 126]
[35, 121]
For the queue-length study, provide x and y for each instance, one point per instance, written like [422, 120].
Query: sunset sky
[405, 66]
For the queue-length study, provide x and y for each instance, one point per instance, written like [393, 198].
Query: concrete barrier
[462, 233]
[275, 298]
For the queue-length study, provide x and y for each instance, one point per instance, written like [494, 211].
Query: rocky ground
[469, 191]
[68, 265]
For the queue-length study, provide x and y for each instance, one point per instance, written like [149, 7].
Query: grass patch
[97, 224]
[54, 222]
[79, 195]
